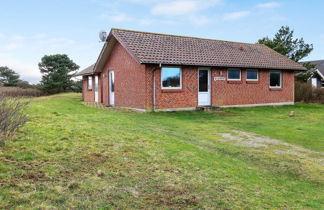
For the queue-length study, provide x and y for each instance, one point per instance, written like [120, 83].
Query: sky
[30, 29]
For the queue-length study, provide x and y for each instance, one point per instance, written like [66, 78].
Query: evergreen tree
[8, 77]
[57, 72]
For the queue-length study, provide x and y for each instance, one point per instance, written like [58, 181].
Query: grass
[73, 156]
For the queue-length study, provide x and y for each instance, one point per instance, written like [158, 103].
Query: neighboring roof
[319, 65]
[87, 71]
[153, 48]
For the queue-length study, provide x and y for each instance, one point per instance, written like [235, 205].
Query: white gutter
[319, 73]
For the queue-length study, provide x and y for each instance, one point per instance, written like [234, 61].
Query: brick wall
[130, 87]
[222, 92]
[245, 92]
[185, 97]
[88, 95]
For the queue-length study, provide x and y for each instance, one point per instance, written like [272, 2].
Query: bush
[76, 86]
[304, 92]
[318, 95]
[11, 116]
[13, 92]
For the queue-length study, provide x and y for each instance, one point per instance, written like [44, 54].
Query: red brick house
[150, 71]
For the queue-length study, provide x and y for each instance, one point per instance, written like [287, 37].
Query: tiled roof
[86, 71]
[153, 48]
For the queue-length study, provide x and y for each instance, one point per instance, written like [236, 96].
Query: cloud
[236, 15]
[144, 1]
[200, 20]
[55, 43]
[120, 18]
[27, 71]
[268, 5]
[39, 36]
[278, 18]
[181, 7]
[174, 8]
[2, 35]
[17, 38]
[13, 46]
[145, 22]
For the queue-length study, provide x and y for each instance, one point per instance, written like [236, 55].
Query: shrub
[13, 92]
[11, 116]
[304, 92]
[318, 95]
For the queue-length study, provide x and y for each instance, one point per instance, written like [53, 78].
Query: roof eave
[320, 73]
[224, 66]
[84, 74]
[101, 58]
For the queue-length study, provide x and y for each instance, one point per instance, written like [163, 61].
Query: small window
[252, 75]
[171, 78]
[89, 82]
[234, 75]
[275, 79]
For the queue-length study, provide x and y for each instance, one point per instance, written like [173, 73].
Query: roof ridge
[181, 36]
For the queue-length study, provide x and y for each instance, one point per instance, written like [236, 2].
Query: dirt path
[308, 162]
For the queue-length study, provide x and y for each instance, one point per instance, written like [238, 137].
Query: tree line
[57, 72]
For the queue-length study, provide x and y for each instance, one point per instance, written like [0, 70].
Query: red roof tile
[153, 48]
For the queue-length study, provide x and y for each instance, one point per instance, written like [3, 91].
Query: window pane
[252, 75]
[112, 81]
[234, 74]
[170, 77]
[275, 79]
[203, 80]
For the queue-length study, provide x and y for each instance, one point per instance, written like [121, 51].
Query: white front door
[111, 88]
[203, 87]
[96, 89]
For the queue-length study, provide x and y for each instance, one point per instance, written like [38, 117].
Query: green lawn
[73, 156]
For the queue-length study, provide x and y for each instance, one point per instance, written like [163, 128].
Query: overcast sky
[30, 29]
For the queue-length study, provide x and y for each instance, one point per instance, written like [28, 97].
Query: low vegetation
[304, 92]
[73, 156]
[15, 92]
[11, 117]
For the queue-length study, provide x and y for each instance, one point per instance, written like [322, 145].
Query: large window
[234, 74]
[275, 79]
[252, 75]
[89, 82]
[171, 78]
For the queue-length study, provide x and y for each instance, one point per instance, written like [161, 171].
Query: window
[171, 78]
[234, 75]
[252, 75]
[275, 79]
[89, 82]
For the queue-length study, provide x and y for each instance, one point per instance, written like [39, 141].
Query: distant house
[317, 79]
[150, 71]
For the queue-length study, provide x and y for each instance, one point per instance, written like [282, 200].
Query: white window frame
[171, 88]
[234, 79]
[257, 79]
[90, 77]
[280, 80]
